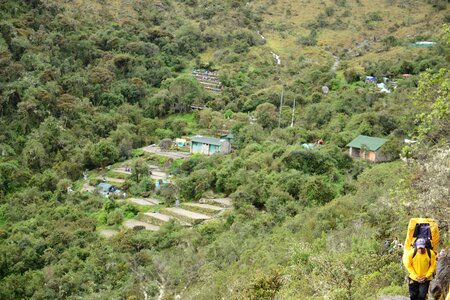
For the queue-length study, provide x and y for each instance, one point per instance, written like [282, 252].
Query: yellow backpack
[422, 228]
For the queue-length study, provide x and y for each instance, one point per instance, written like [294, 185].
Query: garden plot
[88, 188]
[107, 233]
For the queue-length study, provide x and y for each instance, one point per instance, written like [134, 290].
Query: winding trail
[262, 37]
[110, 179]
[336, 63]
[275, 56]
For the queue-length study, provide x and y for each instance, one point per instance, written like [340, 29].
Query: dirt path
[336, 63]
[87, 188]
[109, 179]
[107, 232]
[121, 171]
[276, 57]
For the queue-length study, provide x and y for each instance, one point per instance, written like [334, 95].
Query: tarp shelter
[383, 88]
[425, 44]
[309, 146]
[371, 79]
[105, 188]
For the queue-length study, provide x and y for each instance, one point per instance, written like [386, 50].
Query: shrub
[352, 75]
[129, 210]
[310, 40]
[115, 217]
[317, 190]
[372, 17]
[265, 286]
[308, 161]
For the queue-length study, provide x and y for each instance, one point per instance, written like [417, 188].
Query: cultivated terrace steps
[222, 202]
[155, 218]
[132, 223]
[144, 201]
[206, 209]
[185, 215]
[189, 214]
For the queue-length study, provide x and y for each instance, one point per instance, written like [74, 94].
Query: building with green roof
[209, 145]
[367, 147]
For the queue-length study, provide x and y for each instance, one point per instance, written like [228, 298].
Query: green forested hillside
[85, 84]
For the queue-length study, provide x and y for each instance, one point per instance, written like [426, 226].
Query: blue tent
[105, 188]
[371, 78]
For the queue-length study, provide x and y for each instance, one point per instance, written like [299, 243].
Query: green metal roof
[207, 140]
[227, 136]
[371, 143]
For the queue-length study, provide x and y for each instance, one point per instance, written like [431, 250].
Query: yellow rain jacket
[420, 265]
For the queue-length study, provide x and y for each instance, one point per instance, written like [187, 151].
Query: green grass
[189, 118]
[114, 174]
[294, 17]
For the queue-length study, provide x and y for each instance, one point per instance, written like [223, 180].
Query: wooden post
[281, 106]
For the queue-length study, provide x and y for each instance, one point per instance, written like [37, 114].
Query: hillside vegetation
[85, 84]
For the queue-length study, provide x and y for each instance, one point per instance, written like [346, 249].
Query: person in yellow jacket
[421, 264]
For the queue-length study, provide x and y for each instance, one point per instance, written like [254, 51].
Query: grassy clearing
[189, 118]
[207, 56]
[395, 53]
[283, 46]
[285, 20]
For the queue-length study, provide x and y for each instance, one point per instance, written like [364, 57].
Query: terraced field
[189, 215]
[152, 213]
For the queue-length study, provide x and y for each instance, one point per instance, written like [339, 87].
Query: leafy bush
[115, 217]
[317, 190]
